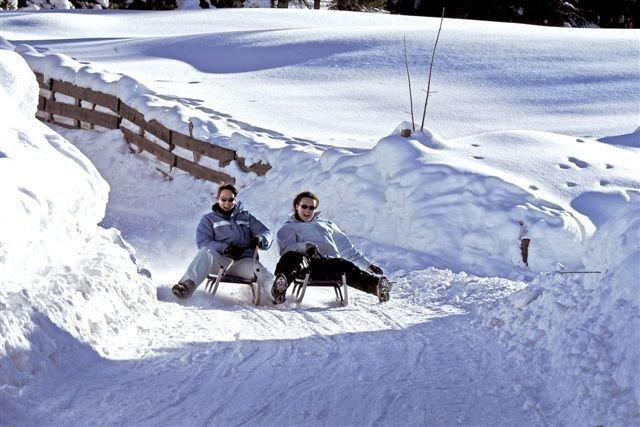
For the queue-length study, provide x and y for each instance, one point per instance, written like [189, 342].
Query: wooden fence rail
[53, 109]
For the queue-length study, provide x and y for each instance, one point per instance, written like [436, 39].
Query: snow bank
[631, 139]
[50, 190]
[172, 114]
[467, 201]
[416, 193]
[69, 289]
[17, 81]
[583, 330]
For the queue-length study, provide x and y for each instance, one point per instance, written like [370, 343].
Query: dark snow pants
[295, 265]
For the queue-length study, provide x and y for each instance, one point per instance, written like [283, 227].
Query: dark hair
[229, 187]
[302, 195]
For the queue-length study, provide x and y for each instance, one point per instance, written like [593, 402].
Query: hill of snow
[466, 201]
[90, 337]
[338, 78]
[70, 290]
[582, 330]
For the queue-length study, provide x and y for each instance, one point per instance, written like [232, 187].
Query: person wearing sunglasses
[310, 243]
[227, 236]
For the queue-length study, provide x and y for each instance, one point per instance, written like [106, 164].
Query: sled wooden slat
[214, 280]
[339, 286]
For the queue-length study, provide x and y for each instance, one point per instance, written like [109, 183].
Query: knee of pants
[216, 260]
[264, 276]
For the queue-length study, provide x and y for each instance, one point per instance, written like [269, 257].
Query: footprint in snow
[571, 184]
[579, 163]
[478, 157]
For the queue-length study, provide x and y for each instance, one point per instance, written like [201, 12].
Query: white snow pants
[207, 261]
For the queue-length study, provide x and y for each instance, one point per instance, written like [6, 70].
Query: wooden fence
[107, 111]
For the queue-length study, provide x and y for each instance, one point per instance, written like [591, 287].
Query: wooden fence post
[77, 122]
[52, 97]
[148, 135]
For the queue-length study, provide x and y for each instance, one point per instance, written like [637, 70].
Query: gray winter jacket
[331, 241]
[217, 232]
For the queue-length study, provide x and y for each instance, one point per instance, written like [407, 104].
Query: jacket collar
[294, 217]
[218, 211]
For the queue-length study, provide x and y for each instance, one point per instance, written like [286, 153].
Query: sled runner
[214, 280]
[339, 287]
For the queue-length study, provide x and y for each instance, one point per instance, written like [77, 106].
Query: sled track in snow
[367, 364]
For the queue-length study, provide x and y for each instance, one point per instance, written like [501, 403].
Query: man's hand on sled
[256, 242]
[233, 251]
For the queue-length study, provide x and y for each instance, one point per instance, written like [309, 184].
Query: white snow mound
[69, 289]
[583, 330]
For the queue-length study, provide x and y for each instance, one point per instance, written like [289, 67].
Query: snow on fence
[69, 105]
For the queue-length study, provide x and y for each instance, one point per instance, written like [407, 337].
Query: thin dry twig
[406, 63]
[433, 55]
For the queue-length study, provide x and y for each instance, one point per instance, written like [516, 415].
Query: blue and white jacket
[217, 231]
[331, 241]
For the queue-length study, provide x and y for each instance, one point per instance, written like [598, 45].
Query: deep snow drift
[124, 355]
[61, 295]
[582, 331]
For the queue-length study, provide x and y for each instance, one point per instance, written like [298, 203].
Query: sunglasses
[313, 208]
[224, 200]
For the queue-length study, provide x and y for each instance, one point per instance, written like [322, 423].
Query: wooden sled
[214, 280]
[340, 288]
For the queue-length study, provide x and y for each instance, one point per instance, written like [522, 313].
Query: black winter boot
[384, 289]
[279, 289]
[184, 290]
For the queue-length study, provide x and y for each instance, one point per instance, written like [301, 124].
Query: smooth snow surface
[88, 338]
[338, 77]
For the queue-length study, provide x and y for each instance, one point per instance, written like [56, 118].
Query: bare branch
[406, 63]
[433, 55]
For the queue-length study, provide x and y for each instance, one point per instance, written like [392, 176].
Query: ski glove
[233, 251]
[375, 269]
[256, 242]
[311, 249]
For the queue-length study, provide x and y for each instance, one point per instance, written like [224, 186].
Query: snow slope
[583, 330]
[122, 355]
[62, 303]
[463, 200]
[338, 77]
[86, 340]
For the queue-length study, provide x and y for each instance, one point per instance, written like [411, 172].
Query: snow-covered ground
[88, 336]
[338, 78]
